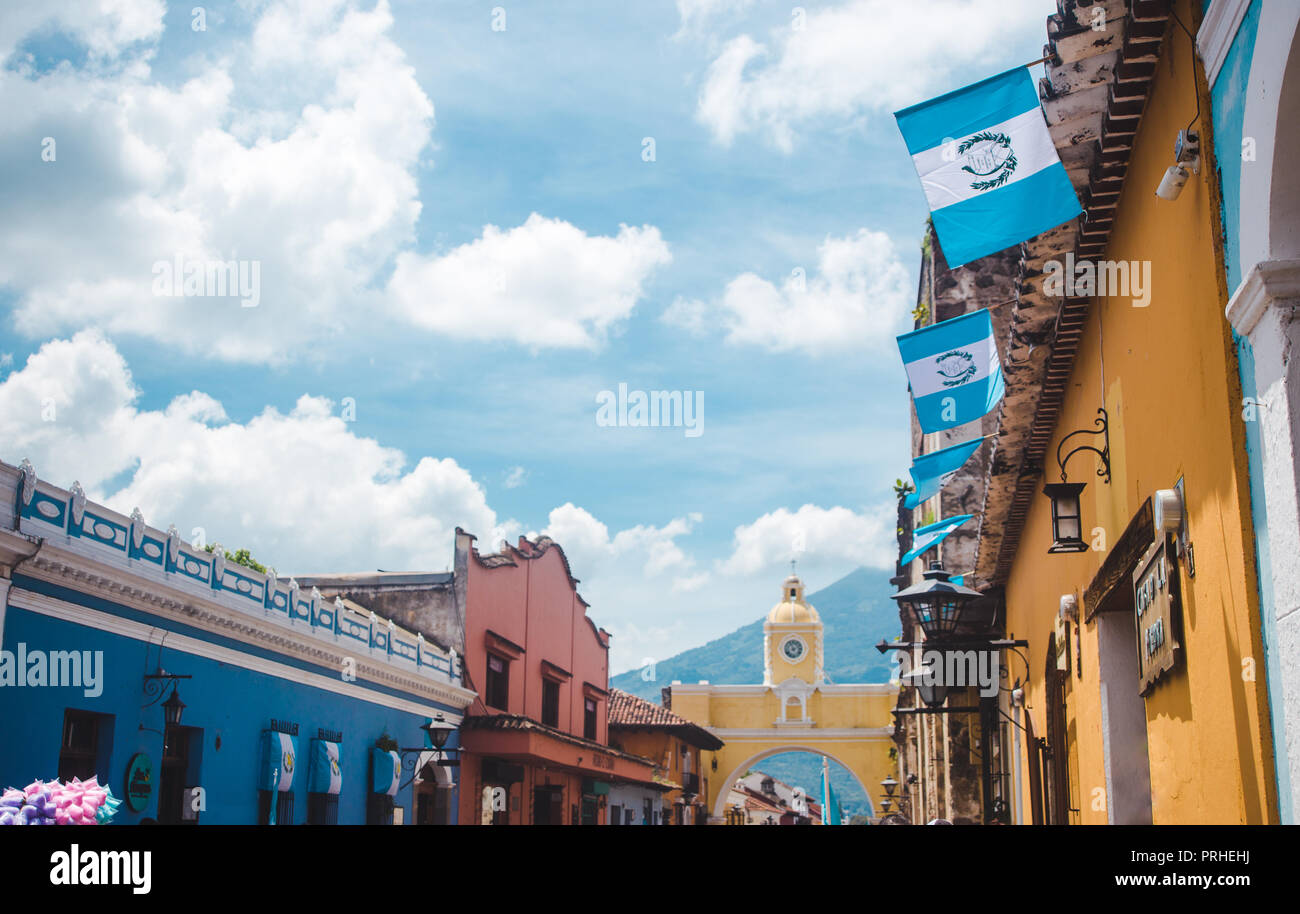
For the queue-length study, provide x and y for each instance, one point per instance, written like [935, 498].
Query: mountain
[856, 614]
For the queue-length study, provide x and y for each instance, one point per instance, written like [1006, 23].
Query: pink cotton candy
[76, 811]
[61, 817]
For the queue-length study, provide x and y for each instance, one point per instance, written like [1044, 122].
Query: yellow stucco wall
[1174, 403]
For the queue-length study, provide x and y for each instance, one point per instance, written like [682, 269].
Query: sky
[460, 226]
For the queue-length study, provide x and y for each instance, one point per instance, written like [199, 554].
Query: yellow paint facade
[1167, 377]
[795, 708]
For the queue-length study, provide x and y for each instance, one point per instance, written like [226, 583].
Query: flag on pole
[830, 804]
[927, 537]
[988, 166]
[931, 472]
[954, 370]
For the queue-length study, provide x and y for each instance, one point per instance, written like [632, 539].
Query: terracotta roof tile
[627, 710]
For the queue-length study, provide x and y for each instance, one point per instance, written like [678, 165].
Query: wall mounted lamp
[1067, 518]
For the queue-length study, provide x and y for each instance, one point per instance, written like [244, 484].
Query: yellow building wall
[1174, 402]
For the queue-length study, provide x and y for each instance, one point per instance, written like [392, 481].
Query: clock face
[792, 648]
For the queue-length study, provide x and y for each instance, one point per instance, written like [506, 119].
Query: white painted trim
[5, 584]
[1261, 121]
[814, 733]
[128, 628]
[1218, 30]
[122, 587]
[1271, 283]
[833, 689]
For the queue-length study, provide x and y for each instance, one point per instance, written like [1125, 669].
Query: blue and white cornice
[123, 557]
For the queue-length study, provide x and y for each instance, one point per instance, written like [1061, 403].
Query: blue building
[201, 690]
[1251, 50]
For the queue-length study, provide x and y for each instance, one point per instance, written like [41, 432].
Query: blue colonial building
[201, 690]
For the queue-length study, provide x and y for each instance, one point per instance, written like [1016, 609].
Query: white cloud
[304, 493]
[516, 477]
[815, 535]
[544, 283]
[299, 489]
[103, 27]
[859, 57]
[859, 296]
[588, 545]
[296, 150]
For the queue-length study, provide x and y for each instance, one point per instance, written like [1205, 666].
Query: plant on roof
[240, 557]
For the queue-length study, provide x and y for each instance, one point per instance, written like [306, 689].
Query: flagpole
[826, 793]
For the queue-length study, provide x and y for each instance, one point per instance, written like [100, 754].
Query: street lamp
[932, 693]
[173, 707]
[437, 730]
[1067, 520]
[936, 602]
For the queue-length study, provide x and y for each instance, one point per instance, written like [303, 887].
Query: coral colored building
[535, 742]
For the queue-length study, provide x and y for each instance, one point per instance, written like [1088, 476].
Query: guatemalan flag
[953, 370]
[931, 535]
[988, 166]
[931, 472]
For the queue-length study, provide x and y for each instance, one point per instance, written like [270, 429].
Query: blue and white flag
[931, 472]
[324, 775]
[830, 803]
[954, 370]
[929, 536]
[988, 166]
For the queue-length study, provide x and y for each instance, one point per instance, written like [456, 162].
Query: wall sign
[1062, 631]
[1157, 605]
[139, 782]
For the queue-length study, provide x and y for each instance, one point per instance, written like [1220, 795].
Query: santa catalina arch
[794, 709]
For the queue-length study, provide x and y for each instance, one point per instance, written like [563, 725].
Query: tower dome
[792, 607]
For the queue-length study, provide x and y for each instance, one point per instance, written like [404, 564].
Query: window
[282, 800]
[322, 809]
[550, 702]
[647, 813]
[79, 752]
[498, 682]
[589, 719]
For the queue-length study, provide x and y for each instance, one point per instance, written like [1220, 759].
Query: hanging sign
[1158, 610]
[139, 782]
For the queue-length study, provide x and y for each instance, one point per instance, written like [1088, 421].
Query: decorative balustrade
[102, 534]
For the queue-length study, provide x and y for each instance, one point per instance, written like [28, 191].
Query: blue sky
[457, 228]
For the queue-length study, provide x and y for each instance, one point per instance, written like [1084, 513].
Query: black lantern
[1067, 519]
[936, 602]
[932, 694]
[438, 730]
[890, 786]
[173, 707]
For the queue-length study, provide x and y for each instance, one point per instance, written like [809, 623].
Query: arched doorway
[754, 760]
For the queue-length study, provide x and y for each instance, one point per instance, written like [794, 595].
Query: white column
[1264, 310]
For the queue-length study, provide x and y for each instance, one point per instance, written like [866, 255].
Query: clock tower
[792, 639]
